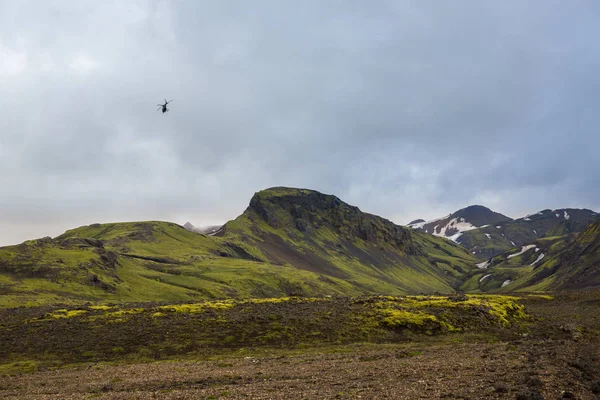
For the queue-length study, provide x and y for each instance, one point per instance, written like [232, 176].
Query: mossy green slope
[575, 267]
[145, 261]
[508, 271]
[321, 233]
[284, 244]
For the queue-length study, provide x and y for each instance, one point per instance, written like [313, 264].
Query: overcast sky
[406, 109]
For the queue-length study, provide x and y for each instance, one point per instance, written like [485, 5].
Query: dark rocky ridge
[322, 234]
[308, 210]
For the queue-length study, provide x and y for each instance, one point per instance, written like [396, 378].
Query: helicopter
[164, 106]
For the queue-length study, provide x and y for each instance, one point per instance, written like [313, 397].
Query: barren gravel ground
[559, 357]
[459, 371]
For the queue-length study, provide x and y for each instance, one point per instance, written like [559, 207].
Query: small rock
[529, 395]
[596, 387]
[567, 395]
[501, 388]
[534, 382]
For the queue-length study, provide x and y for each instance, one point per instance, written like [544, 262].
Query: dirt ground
[558, 358]
[453, 371]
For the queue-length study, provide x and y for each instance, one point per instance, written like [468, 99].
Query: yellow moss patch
[66, 314]
[199, 307]
[395, 318]
[502, 307]
[541, 296]
[116, 316]
[101, 307]
[271, 300]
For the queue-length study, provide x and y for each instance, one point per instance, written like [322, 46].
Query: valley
[304, 294]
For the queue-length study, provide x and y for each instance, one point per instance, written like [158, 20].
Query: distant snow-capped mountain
[206, 230]
[487, 233]
[453, 226]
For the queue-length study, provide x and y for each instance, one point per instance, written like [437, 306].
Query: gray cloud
[406, 109]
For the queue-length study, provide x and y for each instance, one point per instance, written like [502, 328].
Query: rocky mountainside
[454, 225]
[287, 242]
[489, 241]
[322, 234]
[486, 233]
[505, 272]
[566, 262]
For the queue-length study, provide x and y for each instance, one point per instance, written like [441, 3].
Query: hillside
[454, 225]
[486, 233]
[145, 261]
[505, 272]
[567, 262]
[576, 267]
[288, 242]
[321, 233]
[487, 242]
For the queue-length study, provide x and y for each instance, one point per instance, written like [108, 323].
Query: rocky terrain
[548, 348]
[304, 295]
[486, 233]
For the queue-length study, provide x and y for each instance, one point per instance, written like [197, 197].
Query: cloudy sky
[406, 109]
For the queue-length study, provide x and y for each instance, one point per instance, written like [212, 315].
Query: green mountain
[507, 272]
[287, 242]
[489, 241]
[322, 234]
[567, 262]
[486, 233]
[576, 267]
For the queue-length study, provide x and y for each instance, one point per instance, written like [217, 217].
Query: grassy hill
[567, 262]
[288, 242]
[507, 272]
[320, 233]
[144, 261]
[576, 267]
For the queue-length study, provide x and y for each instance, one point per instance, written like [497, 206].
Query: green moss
[19, 367]
[396, 318]
[66, 313]
[101, 307]
[198, 307]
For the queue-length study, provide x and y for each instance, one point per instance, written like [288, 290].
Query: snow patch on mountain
[523, 250]
[567, 216]
[455, 236]
[455, 223]
[483, 265]
[506, 282]
[485, 276]
[540, 257]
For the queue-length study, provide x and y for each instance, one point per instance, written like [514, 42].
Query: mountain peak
[283, 206]
[453, 225]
